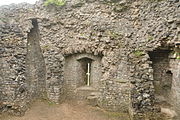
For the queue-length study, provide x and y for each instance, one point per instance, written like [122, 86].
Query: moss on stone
[3, 19]
[114, 35]
[45, 99]
[155, 0]
[121, 8]
[138, 53]
[78, 5]
[55, 2]
[111, 1]
[150, 38]
[177, 56]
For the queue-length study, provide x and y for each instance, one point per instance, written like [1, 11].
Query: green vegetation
[155, 0]
[3, 19]
[111, 1]
[177, 55]
[150, 38]
[55, 2]
[113, 34]
[46, 99]
[121, 8]
[117, 5]
[46, 47]
[138, 53]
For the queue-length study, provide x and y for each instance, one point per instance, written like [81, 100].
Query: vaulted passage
[162, 76]
[82, 72]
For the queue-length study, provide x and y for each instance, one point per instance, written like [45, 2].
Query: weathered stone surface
[122, 32]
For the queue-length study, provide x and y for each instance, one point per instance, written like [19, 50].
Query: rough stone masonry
[129, 48]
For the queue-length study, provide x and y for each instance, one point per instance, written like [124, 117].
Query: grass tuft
[55, 2]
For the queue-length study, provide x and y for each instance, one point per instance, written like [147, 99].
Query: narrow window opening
[86, 71]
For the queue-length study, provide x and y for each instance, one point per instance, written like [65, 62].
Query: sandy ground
[42, 110]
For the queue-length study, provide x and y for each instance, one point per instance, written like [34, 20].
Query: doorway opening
[162, 76]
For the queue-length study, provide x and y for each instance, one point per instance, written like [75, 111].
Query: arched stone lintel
[90, 56]
[82, 49]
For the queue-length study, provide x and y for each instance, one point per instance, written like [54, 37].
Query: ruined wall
[123, 32]
[15, 88]
[12, 64]
[174, 64]
[79, 33]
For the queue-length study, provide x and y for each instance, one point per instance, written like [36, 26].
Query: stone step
[83, 92]
[93, 98]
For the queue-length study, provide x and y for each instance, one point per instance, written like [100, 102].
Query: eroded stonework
[124, 37]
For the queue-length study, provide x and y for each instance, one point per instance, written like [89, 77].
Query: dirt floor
[42, 110]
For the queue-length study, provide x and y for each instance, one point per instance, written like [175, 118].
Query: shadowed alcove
[162, 75]
[35, 64]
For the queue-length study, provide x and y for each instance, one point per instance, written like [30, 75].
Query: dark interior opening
[162, 74]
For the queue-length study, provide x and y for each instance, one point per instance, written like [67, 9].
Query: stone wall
[174, 64]
[15, 88]
[123, 32]
[12, 55]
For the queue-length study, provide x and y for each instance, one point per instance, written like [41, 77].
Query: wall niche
[35, 64]
[82, 74]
